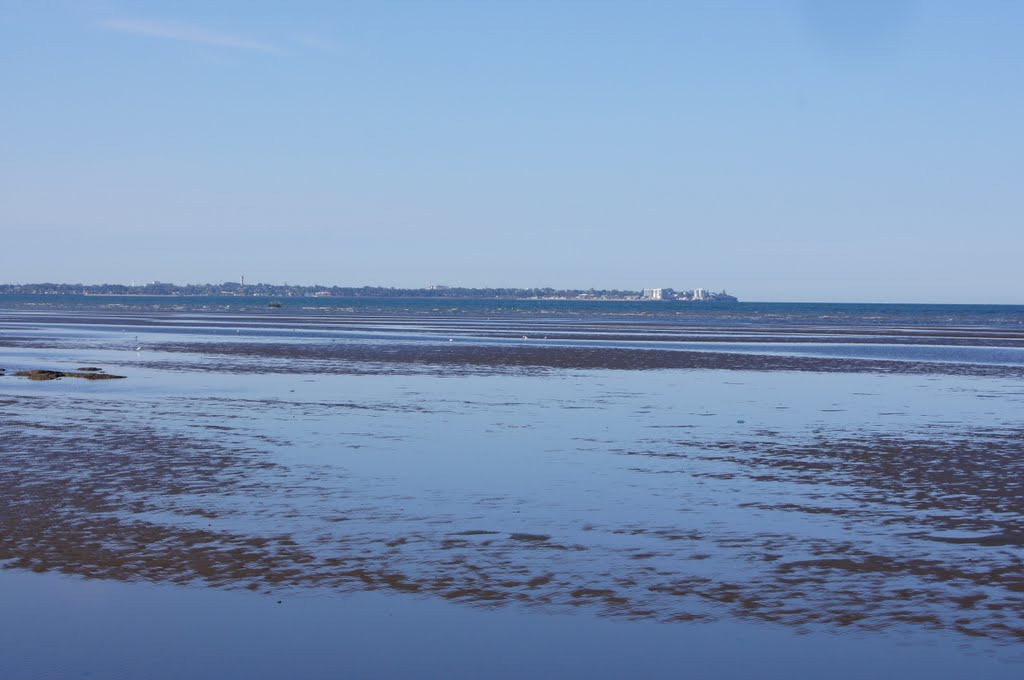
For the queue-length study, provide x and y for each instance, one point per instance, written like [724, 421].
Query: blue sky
[785, 150]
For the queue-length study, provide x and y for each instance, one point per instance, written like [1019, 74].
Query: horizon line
[481, 288]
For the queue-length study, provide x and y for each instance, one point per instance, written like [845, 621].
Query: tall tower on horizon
[243, 280]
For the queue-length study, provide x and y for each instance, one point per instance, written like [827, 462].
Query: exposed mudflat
[363, 357]
[809, 492]
[932, 529]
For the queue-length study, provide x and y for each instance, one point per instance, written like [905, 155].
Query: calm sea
[741, 313]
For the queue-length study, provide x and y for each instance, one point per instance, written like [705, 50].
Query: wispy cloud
[172, 30]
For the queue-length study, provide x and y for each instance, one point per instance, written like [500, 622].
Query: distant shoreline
[282, 292]
[367, 297]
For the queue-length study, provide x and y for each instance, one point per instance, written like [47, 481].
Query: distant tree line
[286, 290]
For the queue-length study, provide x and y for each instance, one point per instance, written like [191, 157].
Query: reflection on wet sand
[632, 498]
[931, 529]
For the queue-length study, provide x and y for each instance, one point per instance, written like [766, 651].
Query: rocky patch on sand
[86, 373]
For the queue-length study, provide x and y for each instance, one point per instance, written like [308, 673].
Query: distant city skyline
[790, 151]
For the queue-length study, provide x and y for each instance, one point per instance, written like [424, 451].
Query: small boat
[275, 304]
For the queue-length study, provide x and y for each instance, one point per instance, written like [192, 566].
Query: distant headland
[242, 289]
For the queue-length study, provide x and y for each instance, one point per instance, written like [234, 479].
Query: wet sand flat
[605, 477]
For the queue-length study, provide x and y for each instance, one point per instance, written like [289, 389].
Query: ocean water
[557, 488]
[740, 313]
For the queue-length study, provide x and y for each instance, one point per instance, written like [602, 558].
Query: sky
[792, 150]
